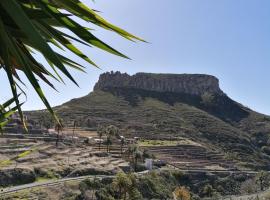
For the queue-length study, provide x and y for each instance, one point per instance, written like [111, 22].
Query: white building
[149, 164]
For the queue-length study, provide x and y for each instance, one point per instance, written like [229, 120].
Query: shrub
[248, 187]
[181, 193]
[266, 150]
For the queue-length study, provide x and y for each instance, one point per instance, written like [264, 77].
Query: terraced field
[189, 157]
[79, 132]
[35, 153]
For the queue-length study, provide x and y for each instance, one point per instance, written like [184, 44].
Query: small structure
[121, 138]
[99, 141]
[130, 141]
[90, 139]
[149, 164]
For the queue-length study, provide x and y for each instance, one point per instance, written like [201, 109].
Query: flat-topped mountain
[165, 106]
[194, 84]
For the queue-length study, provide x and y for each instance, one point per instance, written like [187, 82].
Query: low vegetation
[165, 184]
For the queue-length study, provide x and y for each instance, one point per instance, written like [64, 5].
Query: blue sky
[226, 38]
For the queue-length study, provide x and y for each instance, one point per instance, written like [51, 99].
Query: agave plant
[29, 26]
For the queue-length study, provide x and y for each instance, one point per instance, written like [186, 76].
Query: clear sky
[226, 38]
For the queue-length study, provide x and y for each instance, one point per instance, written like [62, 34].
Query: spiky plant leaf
[6, 112]
[27, 26]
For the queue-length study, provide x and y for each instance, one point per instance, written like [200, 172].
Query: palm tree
[123, 141]
[28, 26]
[136, 153]
[74, 127]
[122, 183]
[129, 151]
[100, 132]
[95, 186]
[108, 144]
[208, 190]
[88, 184]
[110, 131]
[133, 192]
[58, 128]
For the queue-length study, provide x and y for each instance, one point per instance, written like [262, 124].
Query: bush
[266, 150]
[207, 191]
[182, 193]
[248, 187]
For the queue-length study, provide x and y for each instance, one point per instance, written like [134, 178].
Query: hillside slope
[163, 106]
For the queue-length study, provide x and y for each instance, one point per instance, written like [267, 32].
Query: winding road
[14, 189]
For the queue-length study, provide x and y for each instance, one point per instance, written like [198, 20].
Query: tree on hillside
[100, 132]
[123, 141]
[207, 191]
[73, 131]
[133, 192]
[121, 184]
[108, 143]
[111, 131]
[40, 122]
[89, 184]
[58, 128]
[31, 26]
[136, 153]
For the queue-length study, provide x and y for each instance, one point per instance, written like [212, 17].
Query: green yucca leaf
[21, 20]
[82, 32]
[4, 49]
[28, 26]
[5, 113]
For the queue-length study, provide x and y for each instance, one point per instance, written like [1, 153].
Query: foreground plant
[6, 113]
[29, 26]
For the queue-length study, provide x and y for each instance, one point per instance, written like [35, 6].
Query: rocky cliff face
[194, 84]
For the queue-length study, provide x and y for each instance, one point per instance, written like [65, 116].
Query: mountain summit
[194, 84]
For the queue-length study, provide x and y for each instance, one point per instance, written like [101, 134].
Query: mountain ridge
[194, 84]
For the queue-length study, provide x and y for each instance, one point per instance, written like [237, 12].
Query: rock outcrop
[194, 84]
